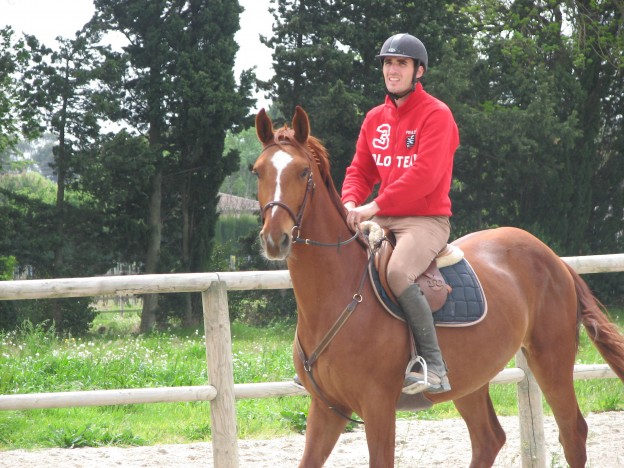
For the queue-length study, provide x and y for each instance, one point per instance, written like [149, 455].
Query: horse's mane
[318, 152]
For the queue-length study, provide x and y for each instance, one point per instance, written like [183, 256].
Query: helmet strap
[395, 97]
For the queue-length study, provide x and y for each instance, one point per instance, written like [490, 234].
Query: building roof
[231, 204]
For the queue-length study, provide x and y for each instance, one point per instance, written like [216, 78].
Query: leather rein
[308, 362]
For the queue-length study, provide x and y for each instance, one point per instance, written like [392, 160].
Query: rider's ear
[301, 125]
[264, 127]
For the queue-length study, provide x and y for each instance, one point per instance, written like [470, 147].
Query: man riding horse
[407, 146]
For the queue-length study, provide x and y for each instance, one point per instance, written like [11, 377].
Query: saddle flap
[382, 257]
[434, 287]
[431, 282]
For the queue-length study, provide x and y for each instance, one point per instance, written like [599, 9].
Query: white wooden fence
[222, 392]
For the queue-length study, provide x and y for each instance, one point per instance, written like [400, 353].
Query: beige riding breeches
[419, 239]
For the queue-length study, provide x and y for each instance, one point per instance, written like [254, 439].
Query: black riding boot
[420, 319]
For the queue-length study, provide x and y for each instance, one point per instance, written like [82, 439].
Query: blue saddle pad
[466, 304]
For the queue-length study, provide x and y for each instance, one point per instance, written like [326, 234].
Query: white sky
[47, 19]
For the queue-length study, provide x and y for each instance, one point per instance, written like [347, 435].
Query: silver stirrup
[417, 387]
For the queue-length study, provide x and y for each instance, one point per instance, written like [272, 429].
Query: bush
[77, 314]
[7, 266]
[262, 308]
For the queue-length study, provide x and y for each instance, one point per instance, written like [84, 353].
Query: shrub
[77, 313]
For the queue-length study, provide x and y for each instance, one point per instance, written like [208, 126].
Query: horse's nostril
[285, 240]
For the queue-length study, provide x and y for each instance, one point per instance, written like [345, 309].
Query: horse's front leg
[324, 426]
[380, 428]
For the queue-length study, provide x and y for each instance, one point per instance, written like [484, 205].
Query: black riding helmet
[405, 45]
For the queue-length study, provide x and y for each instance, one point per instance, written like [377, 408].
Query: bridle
[298, 218]
[308, 362]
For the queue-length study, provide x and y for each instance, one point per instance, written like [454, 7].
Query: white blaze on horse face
[280, 160]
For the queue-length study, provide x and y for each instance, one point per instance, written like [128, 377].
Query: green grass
[33, 360]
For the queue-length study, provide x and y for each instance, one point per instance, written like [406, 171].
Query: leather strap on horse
[299, 240]
[329, 336]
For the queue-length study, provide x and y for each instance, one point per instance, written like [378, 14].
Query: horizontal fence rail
[222, 391]
[26, 401]
[142, 284]
[197, 282]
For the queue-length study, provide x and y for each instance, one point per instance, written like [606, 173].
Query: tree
[600, 54]
[541, 95]
[57, 85]
[16, 118]
[27, 203]
[204, 69]
[535, 88]
[324, 60]
[179, 91]
[116, 174]
[9, 133]
[143, 101]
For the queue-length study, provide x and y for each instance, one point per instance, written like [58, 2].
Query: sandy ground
[419, 444]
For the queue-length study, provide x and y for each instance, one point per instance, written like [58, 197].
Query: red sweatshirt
[409, 150]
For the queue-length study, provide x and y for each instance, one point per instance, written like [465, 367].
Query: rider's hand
[362, 213]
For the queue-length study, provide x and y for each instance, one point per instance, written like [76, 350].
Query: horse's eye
[305, 172]
[253, 171]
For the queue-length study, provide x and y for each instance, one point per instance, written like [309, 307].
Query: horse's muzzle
[275, 245]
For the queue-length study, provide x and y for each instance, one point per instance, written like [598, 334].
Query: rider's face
[398, 73]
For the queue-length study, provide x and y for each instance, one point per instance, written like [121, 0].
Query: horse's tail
[601, 331]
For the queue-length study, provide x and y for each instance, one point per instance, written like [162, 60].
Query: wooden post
[221, 375]
[531, 413]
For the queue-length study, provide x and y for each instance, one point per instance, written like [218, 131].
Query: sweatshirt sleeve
[362, 174]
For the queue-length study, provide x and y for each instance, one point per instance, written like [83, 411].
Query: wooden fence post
[221, 375]
[531, 413]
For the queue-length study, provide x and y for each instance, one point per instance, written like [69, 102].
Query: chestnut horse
[535, 302]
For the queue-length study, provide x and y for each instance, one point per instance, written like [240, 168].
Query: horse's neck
[325, 278]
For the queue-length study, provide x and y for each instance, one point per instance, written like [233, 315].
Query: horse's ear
[301, 125]
[264, 127]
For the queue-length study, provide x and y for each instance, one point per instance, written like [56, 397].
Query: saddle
[431, 282]
[449, 284]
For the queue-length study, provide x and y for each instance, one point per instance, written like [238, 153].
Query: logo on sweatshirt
[383, 140]
[410, 140]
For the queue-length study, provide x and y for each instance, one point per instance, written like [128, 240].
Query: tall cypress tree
[146, 89]
[207, 102]
[180, 92]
